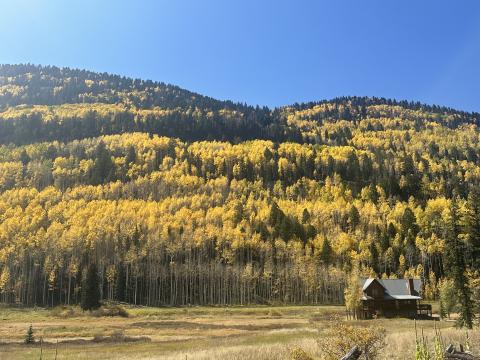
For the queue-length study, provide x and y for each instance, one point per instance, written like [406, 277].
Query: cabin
[393, 298]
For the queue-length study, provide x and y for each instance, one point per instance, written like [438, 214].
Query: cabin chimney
[411, 289]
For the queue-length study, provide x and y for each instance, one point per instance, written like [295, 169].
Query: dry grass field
[193, 333]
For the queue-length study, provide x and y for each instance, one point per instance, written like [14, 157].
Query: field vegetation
[259, 332]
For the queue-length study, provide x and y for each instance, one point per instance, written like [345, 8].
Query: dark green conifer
[455, 267]
[29, 338]
[326, 252]
[120, 287]
[91, 289]
[472, 228]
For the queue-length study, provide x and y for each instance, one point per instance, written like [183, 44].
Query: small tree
[446, 290]
[29, 338]
[91, 289]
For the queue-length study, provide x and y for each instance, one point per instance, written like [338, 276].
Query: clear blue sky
[267, 52]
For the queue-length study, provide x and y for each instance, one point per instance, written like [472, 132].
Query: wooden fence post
[353, 354]
[452, 353]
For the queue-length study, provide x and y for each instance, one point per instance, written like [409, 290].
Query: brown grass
[194, 333]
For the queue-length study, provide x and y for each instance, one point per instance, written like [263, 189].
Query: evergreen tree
[326, 252]
[305, 216]
[408, 223]
[131, 155]
[472, 227]
[353, 217]
[374, 259]
[29, 338]
[286, 229]
[24, 158]
[373, 192]
[410, 181]
[103, 167]
[120, 287]
[91, 289]
[455, 266]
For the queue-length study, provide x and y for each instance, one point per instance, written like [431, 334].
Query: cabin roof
[395, 289]
[369, 282]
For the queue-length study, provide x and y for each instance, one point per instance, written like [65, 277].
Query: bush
[298, 353]
[340, 337]
[274, 313]
[119, 337]
[65, 311]
[111, 310]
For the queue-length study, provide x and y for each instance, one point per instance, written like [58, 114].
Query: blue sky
[266, 52]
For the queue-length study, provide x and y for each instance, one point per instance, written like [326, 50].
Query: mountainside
[49, 103]
[183, 199]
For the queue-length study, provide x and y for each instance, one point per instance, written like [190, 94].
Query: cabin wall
[389, 308]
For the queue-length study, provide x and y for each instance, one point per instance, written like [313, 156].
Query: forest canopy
[179, 199]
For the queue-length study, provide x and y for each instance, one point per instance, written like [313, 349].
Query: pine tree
[408, 223]
[103, 168]
[24, 158]
[29, 338]
[91, 289]
[472, 227]
[120, 283]
[305, 216]
[455, 266]
[353, 217]
[131, 155]
[326, 252]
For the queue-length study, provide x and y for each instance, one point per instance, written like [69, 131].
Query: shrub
[66, 311]
[340, 337]
[298, 353]
[111, 310]
[119, 336]
[274, 313]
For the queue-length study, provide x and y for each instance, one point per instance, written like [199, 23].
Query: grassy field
[192, 333]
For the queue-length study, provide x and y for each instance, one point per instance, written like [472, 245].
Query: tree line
[177, 199]
[174, 223]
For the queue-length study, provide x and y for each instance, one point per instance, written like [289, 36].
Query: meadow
[259, 332]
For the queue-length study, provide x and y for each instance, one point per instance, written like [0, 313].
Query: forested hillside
[181, 199]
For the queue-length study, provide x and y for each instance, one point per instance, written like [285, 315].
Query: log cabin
[393, 298]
